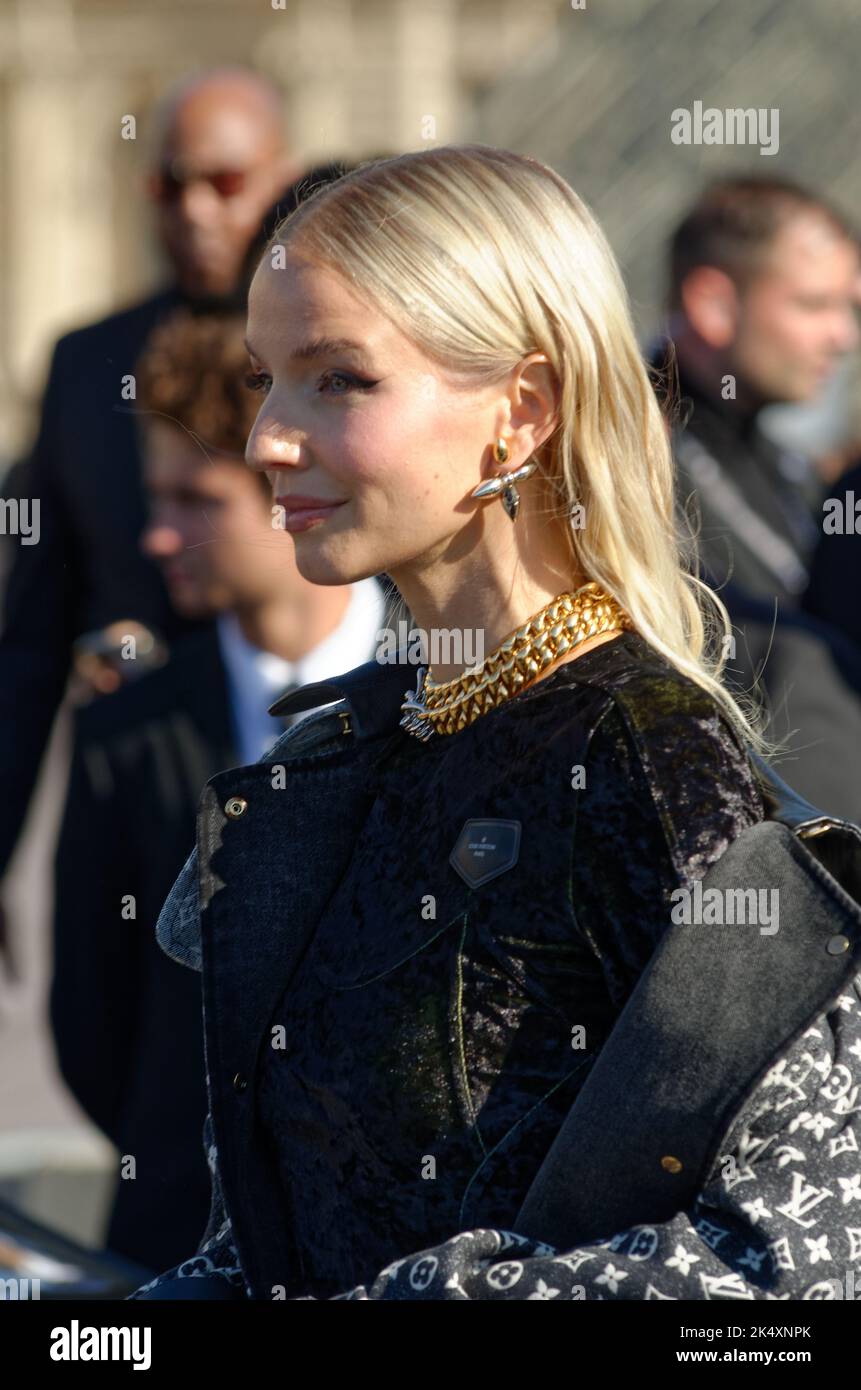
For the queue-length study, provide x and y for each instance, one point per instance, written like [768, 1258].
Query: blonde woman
[421, 920]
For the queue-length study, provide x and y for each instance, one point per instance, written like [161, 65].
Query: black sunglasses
[167, 184]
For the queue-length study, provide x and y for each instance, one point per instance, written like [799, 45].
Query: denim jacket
[711, 1151]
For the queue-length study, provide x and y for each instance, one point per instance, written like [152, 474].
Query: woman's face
[366, 424]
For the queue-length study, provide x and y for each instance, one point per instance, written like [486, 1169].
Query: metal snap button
[671, 1164]
[837, 945]
[239, 1082]
[235, 807]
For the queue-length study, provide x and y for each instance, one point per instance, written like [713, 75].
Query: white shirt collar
[256, 678]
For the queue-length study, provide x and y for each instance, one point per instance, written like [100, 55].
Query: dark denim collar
[374, 693]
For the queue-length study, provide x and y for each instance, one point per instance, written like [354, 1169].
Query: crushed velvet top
[428, 1046]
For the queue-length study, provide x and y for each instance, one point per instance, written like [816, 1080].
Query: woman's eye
[352, 383]
[341, 382]
[258, 381]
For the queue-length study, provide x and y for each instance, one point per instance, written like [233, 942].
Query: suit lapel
[202, 681]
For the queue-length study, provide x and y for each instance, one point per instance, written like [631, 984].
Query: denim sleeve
[177, 930]
[216, 1264]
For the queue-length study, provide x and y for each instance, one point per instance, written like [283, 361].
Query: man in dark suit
[127, 1019]
[763, 282]
[835, 573]
[220, 161]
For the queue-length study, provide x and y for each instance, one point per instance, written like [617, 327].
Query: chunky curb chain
[445, 707]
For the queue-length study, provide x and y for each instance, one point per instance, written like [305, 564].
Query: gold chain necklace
[445, 707]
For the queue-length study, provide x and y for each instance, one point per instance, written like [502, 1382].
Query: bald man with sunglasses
[220, 161]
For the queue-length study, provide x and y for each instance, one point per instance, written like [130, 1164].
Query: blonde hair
[482, 256]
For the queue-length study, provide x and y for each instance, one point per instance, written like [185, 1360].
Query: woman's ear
[534, 399]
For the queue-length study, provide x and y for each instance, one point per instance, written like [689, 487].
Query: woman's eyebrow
[326, 347]
[319, 347]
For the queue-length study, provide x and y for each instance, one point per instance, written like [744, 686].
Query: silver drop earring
[506, 483]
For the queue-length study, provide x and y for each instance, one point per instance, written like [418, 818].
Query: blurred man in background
[763, 288]
[834, 592]
[763, 281]
[220, 160]
[835, 572]
[126, 1018]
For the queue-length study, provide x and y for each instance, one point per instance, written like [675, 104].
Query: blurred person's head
[210, 526]
[221, 159]
[764, 280]
[414, 312]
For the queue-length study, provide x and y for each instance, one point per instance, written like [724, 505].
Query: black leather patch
[484, 849]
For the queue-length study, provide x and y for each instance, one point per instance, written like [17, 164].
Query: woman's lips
[298, 515]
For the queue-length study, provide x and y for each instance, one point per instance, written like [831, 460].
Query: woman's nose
[271, 446]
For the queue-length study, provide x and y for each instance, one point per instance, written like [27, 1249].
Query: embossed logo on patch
[484, 849]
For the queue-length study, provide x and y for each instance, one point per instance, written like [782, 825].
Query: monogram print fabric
[779, 1217]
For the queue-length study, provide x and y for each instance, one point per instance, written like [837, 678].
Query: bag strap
[729, 503]
[695, 1038]
[832, 840]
